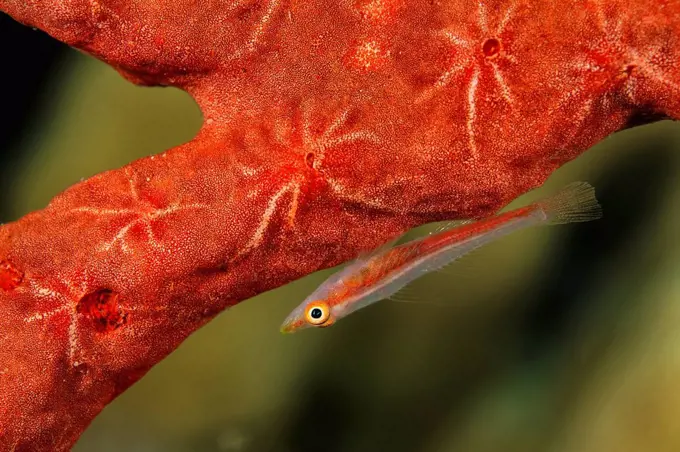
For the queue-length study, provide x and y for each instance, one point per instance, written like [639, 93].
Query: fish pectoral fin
[411, 293]
[430, 302]
[406, 294]
[476, 262]
[484, 274]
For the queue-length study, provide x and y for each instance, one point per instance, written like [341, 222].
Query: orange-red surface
[329, 127]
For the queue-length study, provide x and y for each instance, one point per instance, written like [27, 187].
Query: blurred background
[561, 339]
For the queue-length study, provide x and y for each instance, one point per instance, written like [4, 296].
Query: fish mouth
[291, 325]
[287, 328]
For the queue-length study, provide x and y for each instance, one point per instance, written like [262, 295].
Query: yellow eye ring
[317, 313]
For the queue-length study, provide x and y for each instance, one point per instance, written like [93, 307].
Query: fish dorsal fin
[369, 254]
[353, 266]
[412, 244]
[448, 225]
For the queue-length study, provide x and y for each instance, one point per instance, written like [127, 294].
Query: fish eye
[317, 313]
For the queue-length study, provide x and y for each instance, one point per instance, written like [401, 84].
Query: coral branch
[329, 128]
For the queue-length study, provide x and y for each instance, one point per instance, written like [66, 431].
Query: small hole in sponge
[10, 277]
[310, 158]
[628, 70]
[491, 48]
[102, 307]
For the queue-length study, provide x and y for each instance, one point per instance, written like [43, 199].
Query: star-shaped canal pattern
[475, 57]
[311, 148]
[261, 25]
[144, 217]
[606, 67]
[595, 67]
[64, 300]
[67, 307]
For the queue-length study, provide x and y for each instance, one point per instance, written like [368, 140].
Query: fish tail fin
[575, 203]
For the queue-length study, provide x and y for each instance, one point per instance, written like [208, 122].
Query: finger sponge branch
[330, 128]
